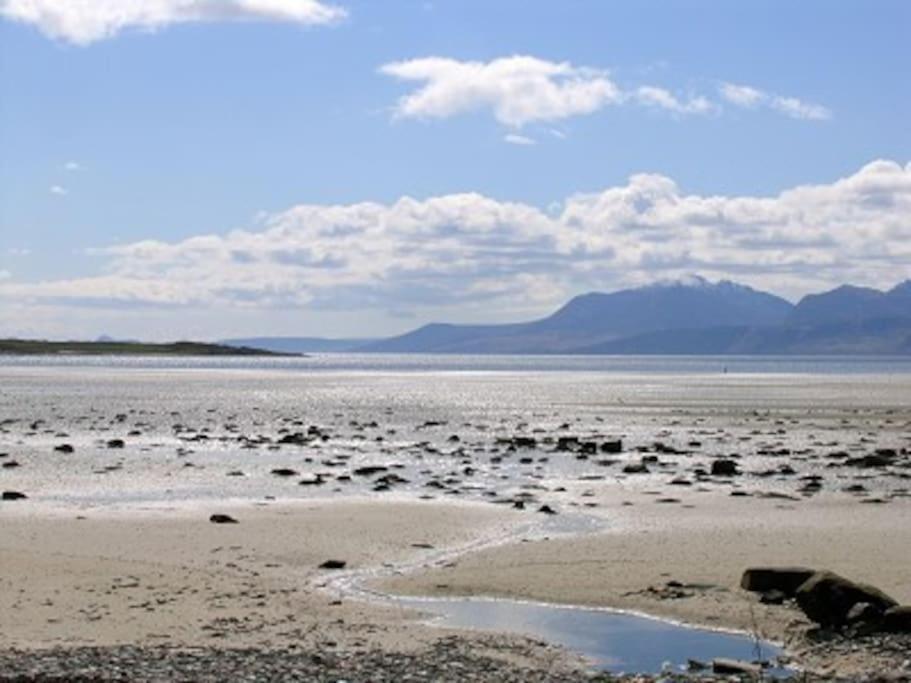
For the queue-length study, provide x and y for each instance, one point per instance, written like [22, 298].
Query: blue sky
[206, 168]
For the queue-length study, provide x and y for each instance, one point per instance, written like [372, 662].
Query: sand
[172, 577]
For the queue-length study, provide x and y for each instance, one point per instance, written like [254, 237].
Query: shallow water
[393, 362]
[613, 641]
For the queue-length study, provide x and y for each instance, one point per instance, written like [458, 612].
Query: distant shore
[39, 347]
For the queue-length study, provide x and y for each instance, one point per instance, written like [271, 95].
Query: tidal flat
[649, 492]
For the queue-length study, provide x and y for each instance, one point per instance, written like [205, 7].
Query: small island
[40, 347]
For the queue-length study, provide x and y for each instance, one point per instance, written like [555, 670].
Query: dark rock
[12, 464]
[547, 510]
[284, 472]
[784, 579]
[735, 666]
[826, 598]
[333, 564]
[316, 480]
[14, 495]
[370, 470]
[615, 446]
[525, 442]
[724, 468]
[635, 468]
[870, 461]
[222, 519]
[116, 443]
[64, 448]
[567, 443]
[897, 619]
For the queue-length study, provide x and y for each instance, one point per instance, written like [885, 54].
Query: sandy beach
[113, 546]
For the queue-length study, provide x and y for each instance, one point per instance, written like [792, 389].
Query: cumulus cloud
[749, 97]
[457, 252]
[59, 190]
[518, 89]
[86, 21]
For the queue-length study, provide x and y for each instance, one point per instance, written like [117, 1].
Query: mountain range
[683, 317]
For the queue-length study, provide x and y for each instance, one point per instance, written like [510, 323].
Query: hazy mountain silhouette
[596, 318]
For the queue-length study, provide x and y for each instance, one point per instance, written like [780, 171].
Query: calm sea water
[353, 362]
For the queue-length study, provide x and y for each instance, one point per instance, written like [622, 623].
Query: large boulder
[784, 579]
[827, 598]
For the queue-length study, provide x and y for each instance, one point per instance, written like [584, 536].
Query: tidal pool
[614, 641]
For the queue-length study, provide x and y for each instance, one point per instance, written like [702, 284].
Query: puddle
[614, 641]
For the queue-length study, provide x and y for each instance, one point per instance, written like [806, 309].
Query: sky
[205, 169]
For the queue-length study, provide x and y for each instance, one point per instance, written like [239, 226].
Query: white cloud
[59, 190]
[749, 97]
[72, 166]
[661, 98]
[445, 255]
[519, 89]
[86, 21]
[515, 139]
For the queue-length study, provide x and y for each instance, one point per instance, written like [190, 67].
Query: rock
[897, 619]
[826, 598]
[635, 468]
[567, 443]
[370, 470]
[116, 443]
[333, 564]
[724, 468]
[222, 519]
[547, 510]
[784, 579]
[615, 446]
[12, 464]
[868, 461]
[64, 448]
[284, 472]
[14, 495]
[525, 442]
[316, 480]
[735, 666]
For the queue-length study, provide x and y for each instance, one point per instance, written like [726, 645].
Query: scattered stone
[116, 443]
[222, 519]
[14, 495]
[735, 666]
[333, 564]
[724, 468]
[64, 448]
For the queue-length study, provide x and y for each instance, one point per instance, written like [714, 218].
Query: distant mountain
[848, 304]
[298, 344]
[596, 318]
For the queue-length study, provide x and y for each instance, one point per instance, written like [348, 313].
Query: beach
[436, 484]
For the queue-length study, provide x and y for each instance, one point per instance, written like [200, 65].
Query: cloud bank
[455, 253]
[520, 90]
[82, 22]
